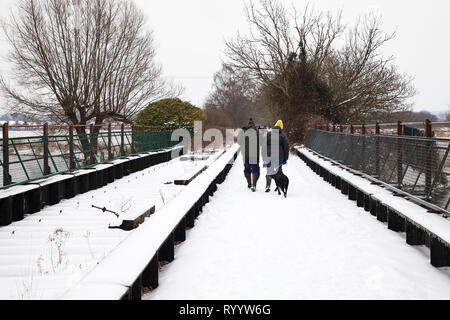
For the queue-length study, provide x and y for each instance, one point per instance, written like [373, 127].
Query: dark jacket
[244, 141]
[283, 147]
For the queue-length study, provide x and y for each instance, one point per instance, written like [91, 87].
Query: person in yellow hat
[280, 124]
[274, 163]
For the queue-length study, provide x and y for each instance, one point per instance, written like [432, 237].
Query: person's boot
[268, 183]
[248, 176]
[255, 177]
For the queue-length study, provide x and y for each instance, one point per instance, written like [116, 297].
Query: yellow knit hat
[280, 124]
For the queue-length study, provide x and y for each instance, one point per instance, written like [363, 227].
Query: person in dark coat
[250, 149]
[274, 163]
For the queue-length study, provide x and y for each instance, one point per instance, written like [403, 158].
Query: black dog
[282, 182]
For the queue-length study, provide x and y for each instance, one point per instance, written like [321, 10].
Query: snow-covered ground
[49, 252]
[314, 245]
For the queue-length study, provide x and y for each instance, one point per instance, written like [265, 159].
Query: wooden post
[352, 129]
[428, 165]
[382, 212]
[399, 128]
[71, 148]
[363, 129]
[47, 170]
[414, 235]
[150, 274]
[395, 222]
[440, 253]
[334, 128]
[6, 175]
[428, 129]
[167, 251]
[399, 155]
[341, 128]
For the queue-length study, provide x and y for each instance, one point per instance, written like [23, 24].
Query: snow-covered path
[314, 245]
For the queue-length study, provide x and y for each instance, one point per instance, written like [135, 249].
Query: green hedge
[174, 113]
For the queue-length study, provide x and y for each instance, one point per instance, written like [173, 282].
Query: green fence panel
[26, 154]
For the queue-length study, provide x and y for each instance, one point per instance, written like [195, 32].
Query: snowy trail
[314, 245]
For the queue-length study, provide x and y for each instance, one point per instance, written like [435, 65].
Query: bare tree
[365, 85]
[82, 61]
[232, 94]
[362, 83]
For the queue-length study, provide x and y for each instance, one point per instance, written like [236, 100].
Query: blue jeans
[251, 168]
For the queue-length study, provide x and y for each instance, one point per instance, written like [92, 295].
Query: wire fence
[418, 165]
[27, 156]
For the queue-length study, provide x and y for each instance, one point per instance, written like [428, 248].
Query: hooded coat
[283, 148]
[247, 150]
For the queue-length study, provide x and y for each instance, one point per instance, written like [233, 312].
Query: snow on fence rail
[422, 226]
[135, 263]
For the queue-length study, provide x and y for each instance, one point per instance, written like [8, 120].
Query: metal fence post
[6, 175]
[399, 155]
[47, 170]
[363, 153]
[71, 148]
[377, 150]
[143, 149]
[133, 148]
[91, 141]
[122, 143]
[110, 155]
[428, 165]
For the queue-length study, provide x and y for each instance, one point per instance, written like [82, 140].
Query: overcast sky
[190, 36]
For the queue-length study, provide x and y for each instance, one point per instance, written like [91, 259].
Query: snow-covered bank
[314, 245]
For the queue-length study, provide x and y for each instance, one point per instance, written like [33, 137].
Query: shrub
[174, 113]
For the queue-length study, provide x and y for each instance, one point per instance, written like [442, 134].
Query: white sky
[190, 36]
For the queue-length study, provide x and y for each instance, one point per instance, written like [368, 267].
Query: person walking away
[268, 178]
[250, 148]
[274, 162]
